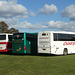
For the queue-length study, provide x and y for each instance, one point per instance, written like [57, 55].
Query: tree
[13, 30]
[4, 28]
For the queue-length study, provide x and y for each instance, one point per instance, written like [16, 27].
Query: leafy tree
[4, 28]
[13, 30]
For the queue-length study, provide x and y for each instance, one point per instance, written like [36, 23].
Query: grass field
[37, 65]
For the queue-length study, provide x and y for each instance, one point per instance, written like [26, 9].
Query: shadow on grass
[36, 54]
[21, 54]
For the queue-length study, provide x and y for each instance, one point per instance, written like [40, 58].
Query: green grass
[37, 65]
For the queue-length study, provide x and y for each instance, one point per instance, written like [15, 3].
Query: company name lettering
[69, 43]
[43, 37]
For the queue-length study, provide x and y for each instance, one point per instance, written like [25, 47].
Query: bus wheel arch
[65, 51]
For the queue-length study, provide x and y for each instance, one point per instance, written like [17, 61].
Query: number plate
[44, 49]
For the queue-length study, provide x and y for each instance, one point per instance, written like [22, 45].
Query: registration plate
[44, 49]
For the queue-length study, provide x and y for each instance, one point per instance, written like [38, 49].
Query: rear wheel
[65, 52]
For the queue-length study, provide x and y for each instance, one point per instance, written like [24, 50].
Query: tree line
[4, 28]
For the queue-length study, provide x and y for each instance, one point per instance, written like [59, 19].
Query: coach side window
[55, 36]
[73, 37]
[2, 37]
[64, 37]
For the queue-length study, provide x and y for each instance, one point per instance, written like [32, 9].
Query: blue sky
[38, 15]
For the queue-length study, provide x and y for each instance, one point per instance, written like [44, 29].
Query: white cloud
[10, 21]
[48, 9]
[10, 9]
[44, 27]
[69, 12]
[28, 25]
[62, 25]
[32, 13]
[25, 24]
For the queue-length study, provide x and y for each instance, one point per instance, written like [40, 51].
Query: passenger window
[2, 37]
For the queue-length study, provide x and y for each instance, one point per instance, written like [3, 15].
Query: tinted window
[18, 36]
[44, 34]
[31, 36]
[10, 37]
[2, 37]
[55, 36]
[64, 37]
